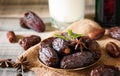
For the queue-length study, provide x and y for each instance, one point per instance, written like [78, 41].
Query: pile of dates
[61, 52]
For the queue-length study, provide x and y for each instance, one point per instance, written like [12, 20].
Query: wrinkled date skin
[105, 70]
[31, 20]
[77, 60]
[115, 32]
[94, 47]
[27, 42]
[48, 56]
[47, 42]
[113, 50]
[11, 36]
[61, 46]
[22, 23]
[97, 34]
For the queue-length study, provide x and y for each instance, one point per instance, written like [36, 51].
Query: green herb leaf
[77, 35]
[60, 36]
[71, 35]
[70, 32]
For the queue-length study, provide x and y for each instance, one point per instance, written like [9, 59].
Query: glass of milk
[65, 12]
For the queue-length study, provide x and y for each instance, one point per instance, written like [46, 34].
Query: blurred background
[16, 8]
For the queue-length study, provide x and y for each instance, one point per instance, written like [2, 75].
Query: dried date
[27, 42]
[47, 42]
[96, 34]
[11, 36]
[94, 47]
[105, 70]
[61, 46]
[112, 49]
[77, 60]
[115, 32]
[31, 20]
[48, 56]
[22, 23]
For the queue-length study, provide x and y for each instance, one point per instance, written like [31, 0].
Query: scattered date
[105, 70]
[32, 21]
[29, 41]
[113, 50]
[11, 36]
[96, 34]
[115, 32]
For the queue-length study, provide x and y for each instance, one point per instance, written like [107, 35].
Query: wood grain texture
[35, 2]
[13, 50]
[22, 2]
[16, 8]
[17, 11]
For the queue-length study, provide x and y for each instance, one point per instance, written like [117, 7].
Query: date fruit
[61, 46]
[11, 36]
[115, 32]
[29, 41]
[77, 60]
[47, 42]
[22, 23]
[94, 47]
[112, 49]
[48, 56]
[105, 70]
[31, 20]
[94, 35]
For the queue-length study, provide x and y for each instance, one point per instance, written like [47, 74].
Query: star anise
[22, 65]
[74, 39]
[78, 44]
[5, 63]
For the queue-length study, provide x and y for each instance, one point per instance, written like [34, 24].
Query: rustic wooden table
[18, 11]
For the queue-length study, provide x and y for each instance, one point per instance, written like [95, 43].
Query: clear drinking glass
[65, 12]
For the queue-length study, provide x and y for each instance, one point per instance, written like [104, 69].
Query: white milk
[66, 10]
